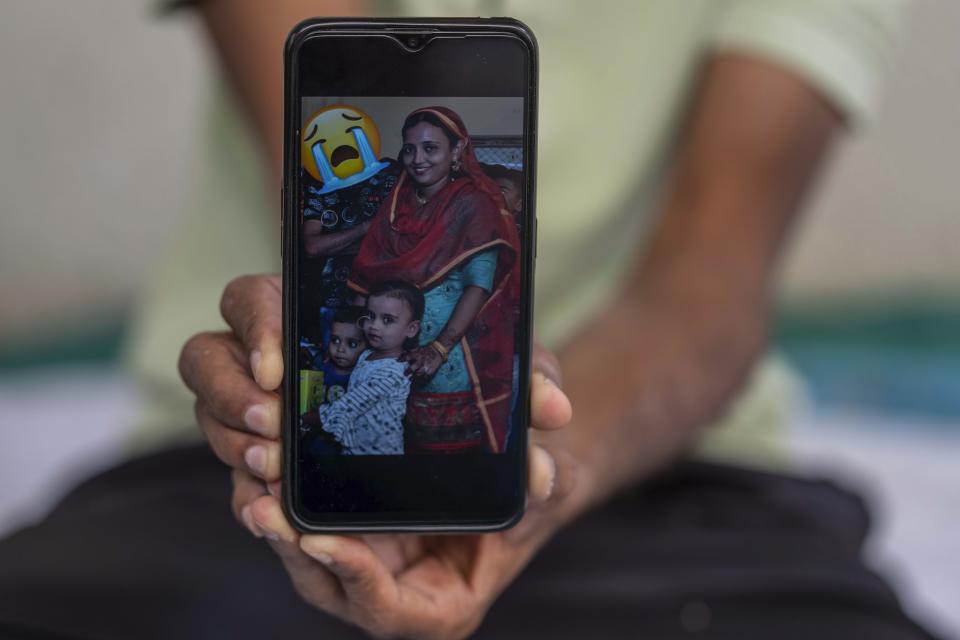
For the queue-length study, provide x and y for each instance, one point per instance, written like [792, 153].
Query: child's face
[389, 322]
[511, 193]
[346, 344]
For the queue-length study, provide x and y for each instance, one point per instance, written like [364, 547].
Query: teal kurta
[439, 303]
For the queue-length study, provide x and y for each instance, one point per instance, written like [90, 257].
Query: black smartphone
[408, 254]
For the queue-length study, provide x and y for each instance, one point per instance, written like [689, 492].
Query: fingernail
[270, 535]
[256, 459]
[553, 477]
[320, 554]
[255, 358]
[247, 515]
[547, 460]
[257, 418]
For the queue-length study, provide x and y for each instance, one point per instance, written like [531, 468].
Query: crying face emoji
[339, 147]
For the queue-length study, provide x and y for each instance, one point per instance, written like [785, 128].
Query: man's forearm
[317, 244]
[248, 36]
[671, 352]
[646, 377]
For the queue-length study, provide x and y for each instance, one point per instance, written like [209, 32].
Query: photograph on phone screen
[409, 274]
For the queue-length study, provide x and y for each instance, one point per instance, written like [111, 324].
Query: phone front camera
[413, 42]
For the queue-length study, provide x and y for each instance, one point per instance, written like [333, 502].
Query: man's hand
[436, 586]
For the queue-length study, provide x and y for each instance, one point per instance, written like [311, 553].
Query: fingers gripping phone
[408, 273]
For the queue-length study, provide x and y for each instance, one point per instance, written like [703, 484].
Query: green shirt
[613, 87]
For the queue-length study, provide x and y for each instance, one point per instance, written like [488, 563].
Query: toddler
[368, 418]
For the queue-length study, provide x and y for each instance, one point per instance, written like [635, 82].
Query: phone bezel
[383, 521]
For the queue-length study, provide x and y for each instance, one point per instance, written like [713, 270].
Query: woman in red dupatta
[446, 229]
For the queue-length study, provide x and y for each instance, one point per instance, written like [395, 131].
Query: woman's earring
[455, 165]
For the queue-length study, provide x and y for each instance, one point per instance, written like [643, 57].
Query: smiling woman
[446, 229]
[430, 154]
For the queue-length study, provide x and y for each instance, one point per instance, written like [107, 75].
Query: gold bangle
[442, 350]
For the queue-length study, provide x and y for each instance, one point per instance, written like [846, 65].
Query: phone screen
[408, 275]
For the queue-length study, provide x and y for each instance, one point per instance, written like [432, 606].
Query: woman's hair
[500, 172]
[424, 116]
[406, 292]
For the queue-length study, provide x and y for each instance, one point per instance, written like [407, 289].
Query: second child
[343, 350]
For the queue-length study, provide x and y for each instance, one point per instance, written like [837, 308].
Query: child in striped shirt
[368, 418]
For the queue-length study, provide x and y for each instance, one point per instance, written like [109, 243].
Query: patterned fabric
[334, 384]
[368, 418]
[324, 279]
[443, 423]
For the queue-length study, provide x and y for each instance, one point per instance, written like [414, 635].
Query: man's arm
[317, 243]
[668, 356]
[248, 36]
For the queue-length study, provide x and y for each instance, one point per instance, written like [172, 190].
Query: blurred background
[96, 159]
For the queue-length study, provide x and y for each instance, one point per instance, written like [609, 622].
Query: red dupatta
[422, 243]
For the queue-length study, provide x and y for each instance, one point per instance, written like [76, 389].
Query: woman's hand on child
[422, 362]
[389, 584]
